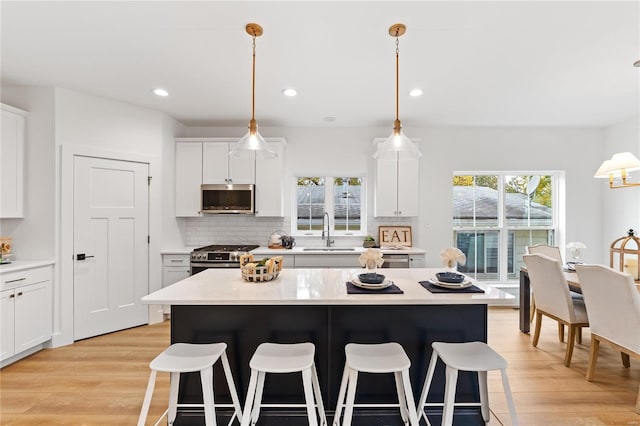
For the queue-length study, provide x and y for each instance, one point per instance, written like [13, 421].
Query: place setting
[451, 281]
[371, 282]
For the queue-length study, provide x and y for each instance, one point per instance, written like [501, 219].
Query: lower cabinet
[175, 267]
[417, 261]
[327, 261]
[26, 312]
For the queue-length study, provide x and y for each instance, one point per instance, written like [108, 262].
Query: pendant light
[397, 142]
[252, 140]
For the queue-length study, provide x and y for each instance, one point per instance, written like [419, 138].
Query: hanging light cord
[397, 73]
[253, 81]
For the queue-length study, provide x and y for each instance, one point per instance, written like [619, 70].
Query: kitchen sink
[328, 249]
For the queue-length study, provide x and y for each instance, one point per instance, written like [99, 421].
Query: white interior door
[111, 227]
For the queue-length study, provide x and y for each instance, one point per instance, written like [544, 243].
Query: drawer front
[175, 260]
[26, 277]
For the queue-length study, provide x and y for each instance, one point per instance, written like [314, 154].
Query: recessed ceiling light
[415, 92]
[158, 91]
[289, 92]
[329, 119]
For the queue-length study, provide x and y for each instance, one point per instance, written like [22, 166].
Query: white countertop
[335, 250]
[265, 251]
[19, 265]
[312, 287]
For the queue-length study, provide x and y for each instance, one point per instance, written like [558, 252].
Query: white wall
[34, 236]
[621, 207]
[348, 150]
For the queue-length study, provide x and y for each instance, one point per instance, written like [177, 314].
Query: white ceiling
[502, 63]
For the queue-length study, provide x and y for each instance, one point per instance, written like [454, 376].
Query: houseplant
[369, 242]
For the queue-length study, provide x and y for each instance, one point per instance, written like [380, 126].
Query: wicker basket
[252, 273]
[259, 274]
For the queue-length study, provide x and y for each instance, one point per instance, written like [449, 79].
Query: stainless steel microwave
[236, 198]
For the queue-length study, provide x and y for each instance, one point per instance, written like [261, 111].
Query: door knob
[82, 256]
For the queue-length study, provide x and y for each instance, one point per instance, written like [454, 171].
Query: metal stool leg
[408, 393]
[507, 393]
[402, 399]
[232, 387]
[258, 399]
[484, 395]
[144, 412]
[308, 396]
[173, 397]
[206, 378]
[341, 395]
[248, 404]
[351, 397]
[450, 396]
[426, 387]
[318, 395]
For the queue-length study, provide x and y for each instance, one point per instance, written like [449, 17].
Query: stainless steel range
[218, 256]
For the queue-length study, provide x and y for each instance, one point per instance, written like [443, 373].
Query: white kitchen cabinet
[7, 328]
[188, 178]
[417, 261]
[327, 261]
[219, 167]
[175, 267]
[12, 162]
[269, 191]
[26, 312]
[396, 187]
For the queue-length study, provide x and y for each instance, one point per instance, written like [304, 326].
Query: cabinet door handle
[20, 294]
[176, 260]
[15, 281]
[11, 296]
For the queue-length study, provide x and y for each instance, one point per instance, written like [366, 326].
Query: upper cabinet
[219, 167]
[396, 187]
[12, 162]
[207, 161]
[270, 182]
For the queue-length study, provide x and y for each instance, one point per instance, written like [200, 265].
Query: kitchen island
[216, 305]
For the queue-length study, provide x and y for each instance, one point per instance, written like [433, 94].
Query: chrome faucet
[329, 240]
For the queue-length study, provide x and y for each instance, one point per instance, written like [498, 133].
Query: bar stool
[186, 358]
[375, 358]
[284, 358]
[469, 356]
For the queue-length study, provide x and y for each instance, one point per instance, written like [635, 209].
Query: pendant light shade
[252, 141]
[398, 142]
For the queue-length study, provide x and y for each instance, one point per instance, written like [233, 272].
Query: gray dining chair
[553, 299]
[613, 303]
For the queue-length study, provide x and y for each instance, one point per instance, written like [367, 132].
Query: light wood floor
[101, 381]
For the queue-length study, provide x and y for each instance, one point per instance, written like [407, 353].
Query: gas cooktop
[229, 254]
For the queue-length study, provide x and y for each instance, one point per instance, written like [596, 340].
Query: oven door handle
[395, 260]
[215, 265]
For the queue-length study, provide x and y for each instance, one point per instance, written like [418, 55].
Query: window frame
[504, 230]
[329, 207]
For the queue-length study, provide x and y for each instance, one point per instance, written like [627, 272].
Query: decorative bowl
[450, 277]
[371, 278]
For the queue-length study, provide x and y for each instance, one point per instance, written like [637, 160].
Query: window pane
[310, 203]
[346, 203]
[528, 201]
[482, 251]
[518, 242]
[475, 201]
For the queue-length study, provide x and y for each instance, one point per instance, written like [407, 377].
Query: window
[341, 197]
[497, 215]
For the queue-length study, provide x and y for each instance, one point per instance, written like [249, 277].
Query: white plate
[454, 286]
[384, 284]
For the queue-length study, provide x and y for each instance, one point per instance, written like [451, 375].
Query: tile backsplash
[232, 229]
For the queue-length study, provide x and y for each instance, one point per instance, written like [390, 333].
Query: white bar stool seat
[469, 356]
[186, 358]
[284, 358]
[375, 358]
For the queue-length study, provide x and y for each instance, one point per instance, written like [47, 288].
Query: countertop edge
[21, 265]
